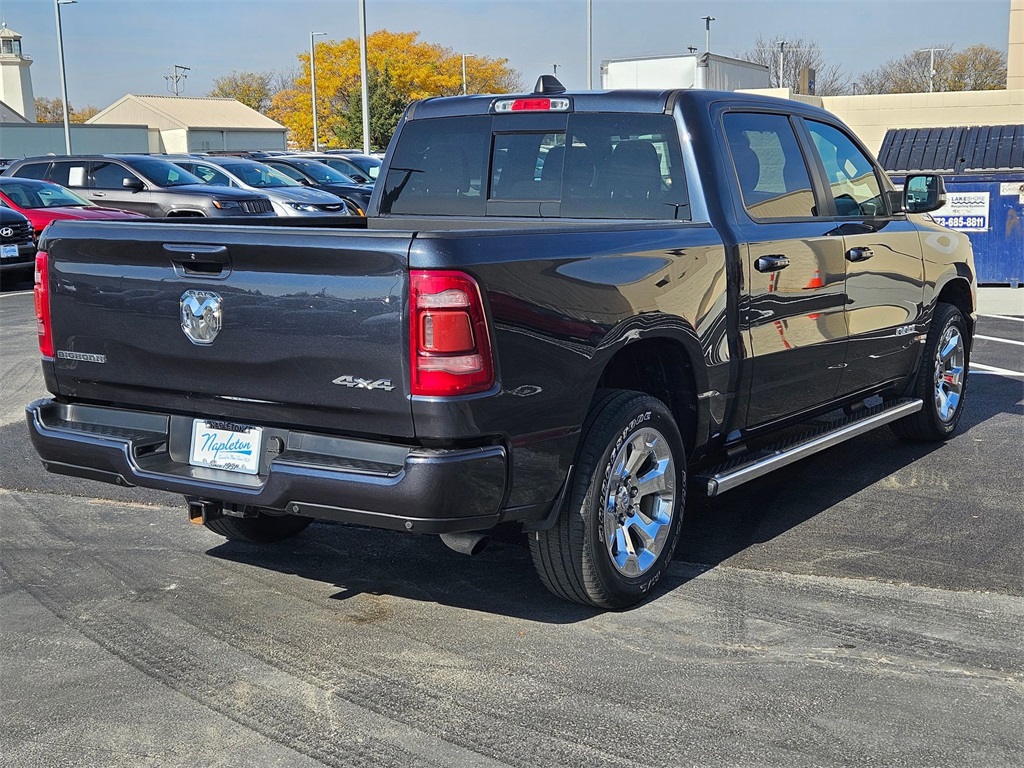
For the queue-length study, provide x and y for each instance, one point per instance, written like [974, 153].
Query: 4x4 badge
[201, 316]
[356, 383]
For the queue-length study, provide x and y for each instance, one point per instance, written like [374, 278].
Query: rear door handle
[771, 263]
[99, 194]
[859, 254]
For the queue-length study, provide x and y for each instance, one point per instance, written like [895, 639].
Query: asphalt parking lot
[862, 607]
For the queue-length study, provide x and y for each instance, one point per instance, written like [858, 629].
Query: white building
[185, 124]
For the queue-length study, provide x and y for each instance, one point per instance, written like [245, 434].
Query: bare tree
[797, 54]
[977, 68]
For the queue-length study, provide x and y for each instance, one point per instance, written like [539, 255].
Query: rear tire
[941, 380]
[262, 529]
[619, 526]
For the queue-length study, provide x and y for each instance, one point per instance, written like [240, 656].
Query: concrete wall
[31, 139]
[871, 116]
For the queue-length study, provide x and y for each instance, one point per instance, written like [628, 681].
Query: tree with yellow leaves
[408, 68]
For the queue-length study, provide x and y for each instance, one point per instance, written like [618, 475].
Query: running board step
[734, 473]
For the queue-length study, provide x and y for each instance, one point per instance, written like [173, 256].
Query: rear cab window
[580, 165]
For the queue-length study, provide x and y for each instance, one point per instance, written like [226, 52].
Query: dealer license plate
[8, 251]
[224, 445]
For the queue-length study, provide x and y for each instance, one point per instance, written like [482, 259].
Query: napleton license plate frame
[226, 445]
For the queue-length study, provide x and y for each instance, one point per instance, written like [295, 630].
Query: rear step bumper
[374, 484]
[727, 476]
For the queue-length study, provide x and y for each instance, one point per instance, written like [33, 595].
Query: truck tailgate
[266, 324]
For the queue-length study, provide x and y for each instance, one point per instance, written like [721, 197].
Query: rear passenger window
[773, 178]
[70, 173]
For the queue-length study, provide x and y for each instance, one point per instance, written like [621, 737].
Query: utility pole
[465, 90]
[931, 65]
[707, 32]
[176, 80]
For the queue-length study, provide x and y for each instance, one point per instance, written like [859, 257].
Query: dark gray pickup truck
[563, 311]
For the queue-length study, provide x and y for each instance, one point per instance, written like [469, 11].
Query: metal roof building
[186, 124]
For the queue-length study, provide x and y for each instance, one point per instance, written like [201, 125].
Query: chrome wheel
[949, 373]
[640, 501]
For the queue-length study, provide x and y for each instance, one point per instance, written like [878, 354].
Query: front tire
[941, 380]
[262, 529]
[619, 526]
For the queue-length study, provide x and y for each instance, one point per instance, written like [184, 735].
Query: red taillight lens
[42, 301]
[450, 345]
[531, 105]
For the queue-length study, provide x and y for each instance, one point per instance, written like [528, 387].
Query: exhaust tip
[469, 543]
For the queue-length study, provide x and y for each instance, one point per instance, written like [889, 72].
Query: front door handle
[99, 194]
[859, 254]
[771, 263]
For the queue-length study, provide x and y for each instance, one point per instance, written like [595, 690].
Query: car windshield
[323, 173]
[259, 175]
[40, 195]
[163, 173]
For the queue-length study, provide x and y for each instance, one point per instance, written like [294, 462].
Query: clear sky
[114, 47]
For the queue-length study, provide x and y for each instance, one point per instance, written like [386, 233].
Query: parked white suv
[289, 197]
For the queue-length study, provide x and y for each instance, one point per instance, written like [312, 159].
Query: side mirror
[924, 192]
[133, 184]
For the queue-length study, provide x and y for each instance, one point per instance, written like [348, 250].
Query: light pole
[707, 32]
[931, 66]
[782, 60]
[312, 88]
[590, 45]
[365, 89]
[63, 78]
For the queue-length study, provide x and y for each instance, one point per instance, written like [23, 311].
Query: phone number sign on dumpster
[964, 211]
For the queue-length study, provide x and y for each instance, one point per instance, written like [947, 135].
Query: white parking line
[14, 293]
[1005, 317]
[979, 368]
[996, 338]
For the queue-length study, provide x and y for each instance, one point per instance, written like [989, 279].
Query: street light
[590, 45]
[782, 60]
[707, 32]
[931, 65]
[364, 90]
[63, 79]
[312, 88]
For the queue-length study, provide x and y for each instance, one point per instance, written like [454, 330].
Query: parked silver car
[289, 197]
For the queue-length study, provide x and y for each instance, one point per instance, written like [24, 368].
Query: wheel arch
[957, 291]
[662, 367]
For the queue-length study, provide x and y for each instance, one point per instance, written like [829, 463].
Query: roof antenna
[548, 84]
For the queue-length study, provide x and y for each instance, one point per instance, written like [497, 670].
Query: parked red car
[42, 202]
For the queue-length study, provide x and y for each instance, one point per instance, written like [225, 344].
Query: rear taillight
[450, 345]
[42, 299]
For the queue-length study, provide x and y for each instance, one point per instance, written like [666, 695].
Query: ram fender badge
[354, 382]
[202, 315]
